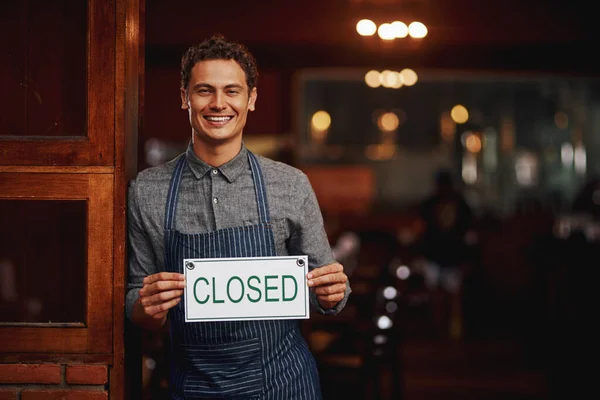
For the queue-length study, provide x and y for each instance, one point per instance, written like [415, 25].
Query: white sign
[232, 289]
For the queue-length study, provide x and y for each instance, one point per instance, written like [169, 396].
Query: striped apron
[262, 359]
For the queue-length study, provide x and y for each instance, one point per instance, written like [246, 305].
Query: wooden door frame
[96, 146]
[94, 335]
[96, 167]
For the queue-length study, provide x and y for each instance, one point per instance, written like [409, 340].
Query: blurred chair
[357, 350]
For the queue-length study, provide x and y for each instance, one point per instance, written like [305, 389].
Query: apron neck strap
[173, 195]
[260, 188]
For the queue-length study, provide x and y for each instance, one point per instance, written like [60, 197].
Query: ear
[184, 99]
[252, 99]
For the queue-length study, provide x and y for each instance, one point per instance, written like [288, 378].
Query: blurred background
[453, 147]
[454, 150]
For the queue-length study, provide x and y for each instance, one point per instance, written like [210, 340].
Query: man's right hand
[159, 293]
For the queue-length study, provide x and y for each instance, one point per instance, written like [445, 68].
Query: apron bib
[262, 359]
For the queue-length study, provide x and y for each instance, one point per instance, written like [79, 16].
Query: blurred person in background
[443, 245]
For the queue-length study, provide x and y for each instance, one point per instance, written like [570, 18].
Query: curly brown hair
[217, 47]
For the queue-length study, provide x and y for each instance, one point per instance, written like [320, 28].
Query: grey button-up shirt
[216, 198]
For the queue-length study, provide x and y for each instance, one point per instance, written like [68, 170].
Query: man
[220, 200]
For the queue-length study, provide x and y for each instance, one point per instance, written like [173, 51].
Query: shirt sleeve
[308, 237]
[141, 259]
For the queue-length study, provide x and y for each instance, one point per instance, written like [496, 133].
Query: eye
[233, 92]
[203, 91]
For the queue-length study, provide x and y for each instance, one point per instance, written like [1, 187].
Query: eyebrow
[206, 85]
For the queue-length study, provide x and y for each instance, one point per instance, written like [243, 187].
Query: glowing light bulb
[417, 30]
[366, 27]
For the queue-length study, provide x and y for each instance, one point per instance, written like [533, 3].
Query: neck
[216, 154]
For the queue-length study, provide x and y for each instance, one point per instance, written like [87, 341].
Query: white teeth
[218, 119]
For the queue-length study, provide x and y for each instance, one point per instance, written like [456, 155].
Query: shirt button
[214, 172]
[215, 200]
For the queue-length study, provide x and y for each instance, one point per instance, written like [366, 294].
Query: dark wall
[534, 36]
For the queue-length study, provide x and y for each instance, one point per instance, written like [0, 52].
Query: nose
[218, 102]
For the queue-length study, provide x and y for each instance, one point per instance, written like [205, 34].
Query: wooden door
[69, 110]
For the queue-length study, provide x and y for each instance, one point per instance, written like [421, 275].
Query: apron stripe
[251, 245]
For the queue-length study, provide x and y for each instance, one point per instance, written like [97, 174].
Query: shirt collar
[230, 170]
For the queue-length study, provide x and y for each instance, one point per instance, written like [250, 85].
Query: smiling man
[217, 200]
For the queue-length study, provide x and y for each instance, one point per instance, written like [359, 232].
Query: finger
[161, 297]
[161, 286]
[328, 279]
[330, 300]
[324, 270]
[163, 276]
[159, 310]
[331, 289]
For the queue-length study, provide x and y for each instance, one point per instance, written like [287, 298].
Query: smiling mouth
[218, 120]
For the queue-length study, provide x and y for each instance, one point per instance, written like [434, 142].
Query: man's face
[218, 101]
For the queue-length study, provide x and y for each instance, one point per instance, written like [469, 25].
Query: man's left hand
[329, 283]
